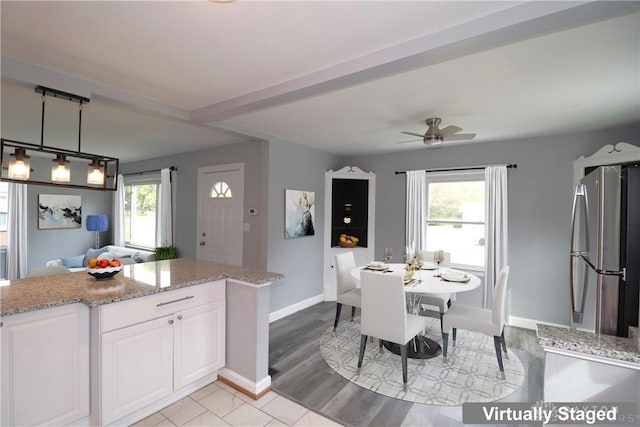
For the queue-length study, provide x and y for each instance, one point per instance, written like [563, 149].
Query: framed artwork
[299, 213]
[59, 211]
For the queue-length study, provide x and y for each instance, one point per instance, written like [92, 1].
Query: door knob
[179, 316]
[171, 321]
[202, 243]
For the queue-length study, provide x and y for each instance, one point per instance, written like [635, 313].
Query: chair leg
[504, 345]
[454, 335]
[445, 341]
[497, 342]
[441, 326]
[380, 343]
[338, 310]
[403, 356]
[353, 313]
[363, 346]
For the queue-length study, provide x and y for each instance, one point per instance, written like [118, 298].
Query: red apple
[103, 263]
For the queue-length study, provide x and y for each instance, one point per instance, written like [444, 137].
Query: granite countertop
[588, 343]
[136, 280]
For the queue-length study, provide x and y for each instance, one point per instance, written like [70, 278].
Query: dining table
[430, 279]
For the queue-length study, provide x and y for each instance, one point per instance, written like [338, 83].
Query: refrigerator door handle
[577, 312]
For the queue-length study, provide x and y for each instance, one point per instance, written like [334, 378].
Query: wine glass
[387, 254]
[419, 260]
[438, 257]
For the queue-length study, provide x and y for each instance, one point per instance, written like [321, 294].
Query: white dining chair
[441, 301]
[384, 314]
[490, 322]
[348, 292]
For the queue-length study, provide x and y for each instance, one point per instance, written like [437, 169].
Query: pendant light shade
[19, 165]
[95, 173]
[60, 171]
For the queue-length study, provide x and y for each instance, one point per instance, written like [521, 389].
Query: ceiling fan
[436, 136]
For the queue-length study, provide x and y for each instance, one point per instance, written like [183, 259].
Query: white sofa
[126, 255]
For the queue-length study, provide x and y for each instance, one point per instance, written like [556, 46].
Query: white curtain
[164, 229]
[496, 220]
[17, 231]
[416, 215]
[118, 213]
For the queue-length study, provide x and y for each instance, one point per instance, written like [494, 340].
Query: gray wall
[45, 245]
[540, 200]
[296, 167]
[253, 155]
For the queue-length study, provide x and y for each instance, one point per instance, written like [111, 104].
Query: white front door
[220, 213]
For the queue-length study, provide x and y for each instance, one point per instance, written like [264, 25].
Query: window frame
[446, 177]
[153, 178]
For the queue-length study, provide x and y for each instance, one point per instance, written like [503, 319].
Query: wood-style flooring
[300, 373]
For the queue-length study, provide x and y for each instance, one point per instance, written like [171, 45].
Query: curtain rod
[171, 168]
[470, 168]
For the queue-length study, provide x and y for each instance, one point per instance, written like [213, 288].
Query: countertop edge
[588, 344]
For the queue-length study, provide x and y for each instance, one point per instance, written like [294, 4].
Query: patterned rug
[470, 375]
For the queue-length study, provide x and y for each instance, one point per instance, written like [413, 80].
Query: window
[140, 198]
[455, 216]
[220, 190]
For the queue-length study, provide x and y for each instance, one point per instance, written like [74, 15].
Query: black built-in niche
[349, 209]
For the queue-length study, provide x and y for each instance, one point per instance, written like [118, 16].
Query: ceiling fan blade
[460, 137]
[449, 130]
[411, 140]
[414, 134]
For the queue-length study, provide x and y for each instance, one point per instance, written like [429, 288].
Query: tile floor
[220, 405]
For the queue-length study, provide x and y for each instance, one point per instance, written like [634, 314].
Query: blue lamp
[97, 223]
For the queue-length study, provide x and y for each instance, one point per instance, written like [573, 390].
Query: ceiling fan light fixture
[60, 171]
[19, 164]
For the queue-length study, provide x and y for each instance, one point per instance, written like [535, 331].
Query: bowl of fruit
[347, 241]
[103, 268]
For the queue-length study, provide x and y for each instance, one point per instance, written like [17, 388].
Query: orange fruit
[92, 263]
[115, 262]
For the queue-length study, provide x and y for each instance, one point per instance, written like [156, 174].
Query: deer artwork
[304, 205]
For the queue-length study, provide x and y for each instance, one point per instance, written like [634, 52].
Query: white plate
[428, 265]
[377, 267]
[454, 276]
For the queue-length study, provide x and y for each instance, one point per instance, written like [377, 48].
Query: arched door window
[220, 190]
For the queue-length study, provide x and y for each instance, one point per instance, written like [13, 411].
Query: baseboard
[244, 385]
[523, 322]
[284, 312]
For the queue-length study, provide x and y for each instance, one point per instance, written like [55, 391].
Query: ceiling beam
[523, 21]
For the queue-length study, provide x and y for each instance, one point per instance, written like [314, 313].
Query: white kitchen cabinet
[137, 367]
[349, 209]
[155, 349]
[198, 351]
[45, 366]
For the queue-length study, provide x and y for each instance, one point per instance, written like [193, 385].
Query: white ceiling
[342, 77]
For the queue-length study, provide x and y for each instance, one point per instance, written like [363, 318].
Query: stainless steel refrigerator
[605, 253]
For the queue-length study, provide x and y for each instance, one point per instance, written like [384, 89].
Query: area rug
[470, 374]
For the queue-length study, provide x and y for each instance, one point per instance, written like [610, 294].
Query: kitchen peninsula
[77, 350]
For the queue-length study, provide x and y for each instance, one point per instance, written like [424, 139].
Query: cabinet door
[45, 367]
[199, 342]
[137, 367]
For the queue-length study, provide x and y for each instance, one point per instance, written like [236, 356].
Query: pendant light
[60, 171]
[95, 173]
[102, 171]
[19, 165]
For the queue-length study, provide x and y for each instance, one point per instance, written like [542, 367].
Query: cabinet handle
[171, 321]
[179, 316]
[175, 300]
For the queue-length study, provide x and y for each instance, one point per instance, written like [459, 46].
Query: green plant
[166, 252]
